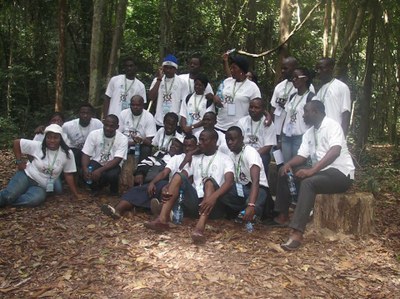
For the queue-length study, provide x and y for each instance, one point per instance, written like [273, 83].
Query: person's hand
[39, 130]
[165, 194]
[138, 139]
[207, 205]
[217, 102]
[96, 174]
[160, 74]
[187, 129]
[151, 189]
[284, 170]
[225, 56]
[249, 213]
[138, 180]
[210, 96]
[21, 166]
[268, 119]
[304, 173]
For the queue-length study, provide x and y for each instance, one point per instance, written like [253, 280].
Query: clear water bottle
[292, 186]
[220, 91]
[137, 151]
[189, 120]
[249, 225]
[178, 210]
[90, 170]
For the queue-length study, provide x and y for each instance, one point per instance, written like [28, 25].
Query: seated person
[261, 137]
[209, 121]
[212, 173]
[251, 186]
[77, 130]
[104, 150]
[139, 126]
[332, 171]
[33, 180]
[140, 195]
[162, 139]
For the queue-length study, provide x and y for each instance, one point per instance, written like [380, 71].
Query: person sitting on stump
[104, 151]
[332, 171]
[212, 173]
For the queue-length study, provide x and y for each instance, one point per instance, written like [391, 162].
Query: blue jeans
[290, 146]
[22, 191]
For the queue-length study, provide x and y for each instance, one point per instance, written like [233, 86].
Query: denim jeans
[290, 146]
[22, 191]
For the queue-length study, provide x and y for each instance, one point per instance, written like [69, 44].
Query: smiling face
[170, 126]
[176, 148]
[53, 140]
[199, 87]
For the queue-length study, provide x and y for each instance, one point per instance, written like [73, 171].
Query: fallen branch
[6, 290]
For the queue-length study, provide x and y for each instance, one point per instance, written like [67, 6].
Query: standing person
[139, 126]
[294, 126]
[121, 88]
[104, 150]
[212, 173]
[29, 186]
[334, 94]
[195, 65]
[282, 92]
[195, 106]
[256, 135]
[167, 89]
[332, 171]
[77, 130]
[234, 98]
[163, 138]
[251, 185]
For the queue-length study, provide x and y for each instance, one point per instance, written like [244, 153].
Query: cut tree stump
[348, 213]
[126, 178]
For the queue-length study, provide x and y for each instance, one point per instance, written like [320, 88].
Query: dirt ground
[69, 249]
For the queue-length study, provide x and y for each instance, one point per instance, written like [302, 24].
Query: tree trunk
[117, 37]
[325, 38]
[365, 101]
[251, 29]
[62, 8]
[284, 30]
[334, 28]
[165, 7]
[95, 52]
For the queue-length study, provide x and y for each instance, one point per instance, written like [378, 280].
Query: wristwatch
[18, 161]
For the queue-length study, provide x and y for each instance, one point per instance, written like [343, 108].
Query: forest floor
[69, 249]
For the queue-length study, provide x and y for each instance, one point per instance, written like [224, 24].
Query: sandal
[198, 237]
[110, 211]
[291, 245]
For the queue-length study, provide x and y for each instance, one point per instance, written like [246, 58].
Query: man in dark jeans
[332, 171]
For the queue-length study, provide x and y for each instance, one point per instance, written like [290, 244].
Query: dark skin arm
[153, 93]
[69, 178]
[97, 173]
[265, 149]
[255, 185]
[18, 153]
[345, 122]
[151, 188]
[188, 157]
[106, 105]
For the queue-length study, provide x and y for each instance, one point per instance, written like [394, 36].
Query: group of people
[213, 149]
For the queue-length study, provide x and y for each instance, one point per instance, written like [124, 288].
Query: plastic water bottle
[292, 186]
[249, 225]
[137, 151]
[90, 170]
[189, 121]
[178, 210]
[219, 91]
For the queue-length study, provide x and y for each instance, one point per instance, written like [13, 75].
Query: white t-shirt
[174, 163]
[215, 166]
[236, 101]
[103, 149]
[77, 134]
[248, 157]
[283, 90]
[171, 92]
[256, 134]
[142, 125]
[336, 97]
[195, 109]
[294, 124]
[189, 85]
[121, 90]
[316, 143]
[163, 141]
[54, 163]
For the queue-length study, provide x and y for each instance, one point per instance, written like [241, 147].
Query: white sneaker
[110, 211]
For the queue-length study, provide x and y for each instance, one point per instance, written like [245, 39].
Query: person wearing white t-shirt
[167, 90]
[250, 190]
[140, 195]
[256, 135]
[334, 94]
[332, 171]
[139, 126]
[294, 126]
[77, 130]
[194, 65]
[212, 173]
[121, 88]
[162, 139]
[35, 178]
[234, 98]
[104, 150]
[195, 106]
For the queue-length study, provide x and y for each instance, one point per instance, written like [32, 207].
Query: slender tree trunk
[165, 7]
[117, 37]
[325, 38]
[365, 103]
[62, 8]
[334, 28]
[284, 30]
[251, 29]
[95, 52]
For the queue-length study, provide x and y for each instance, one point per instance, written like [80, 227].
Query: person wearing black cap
[237, 92]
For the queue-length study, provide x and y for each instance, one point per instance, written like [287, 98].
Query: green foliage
[8, 132]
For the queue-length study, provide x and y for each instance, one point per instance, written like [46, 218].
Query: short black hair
[114, 118]
[139, 97]
[306, 72]
[317, 105]
[263, 103]
[171, 115]
[202, 78]
[235, 129]
[212, 133]
[330, 61]
[86, 105]
[191, 137]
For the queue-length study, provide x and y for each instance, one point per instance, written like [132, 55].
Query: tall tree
[285, 19]
[62, 8]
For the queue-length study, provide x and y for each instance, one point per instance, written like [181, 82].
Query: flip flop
[291, 245]
[198, 237]
[110, 211]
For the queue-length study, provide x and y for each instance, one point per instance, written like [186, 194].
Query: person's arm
[345, 122]
[188, 157]
[21, 165]
[151, 188]
[106, 105]
[264, 150]
[69, 178]
[96, 174]
[327, 160]
[255, 185]
[295, 161]
[153, 92]
[227, 69]
[85, 160]
[208, 202]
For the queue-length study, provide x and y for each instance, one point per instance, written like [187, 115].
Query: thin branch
[296, 28]
[237, 19]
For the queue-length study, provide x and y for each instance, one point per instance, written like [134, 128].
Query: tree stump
[349, 213]
[126, 178]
